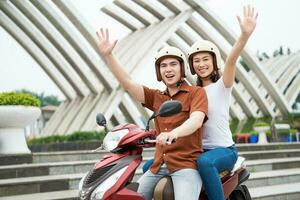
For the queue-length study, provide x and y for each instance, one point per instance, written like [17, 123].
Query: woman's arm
[106, 47]
[247, 26]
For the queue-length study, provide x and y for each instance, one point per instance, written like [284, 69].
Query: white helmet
[204, 45]
[169, 51]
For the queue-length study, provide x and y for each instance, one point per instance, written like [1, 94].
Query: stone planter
[13, 120]
[262, 137]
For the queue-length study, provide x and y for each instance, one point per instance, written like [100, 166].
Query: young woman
[220, 151]
[204, 60]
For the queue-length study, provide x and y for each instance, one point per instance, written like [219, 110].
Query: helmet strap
[179, 83]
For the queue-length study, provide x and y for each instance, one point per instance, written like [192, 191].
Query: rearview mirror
[101, 121]
[168, 108]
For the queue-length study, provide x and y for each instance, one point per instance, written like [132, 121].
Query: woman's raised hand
[248, 23]
[104, 45]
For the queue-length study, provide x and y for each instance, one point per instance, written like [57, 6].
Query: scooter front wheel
[241, 192]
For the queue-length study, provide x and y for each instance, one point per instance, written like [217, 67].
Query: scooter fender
[234, 180]
[230, 184]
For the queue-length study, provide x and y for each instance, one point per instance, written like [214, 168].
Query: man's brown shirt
[184, 152]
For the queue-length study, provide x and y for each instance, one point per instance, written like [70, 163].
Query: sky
[276, 26]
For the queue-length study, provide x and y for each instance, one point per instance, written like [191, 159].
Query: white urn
[262, 137]
[13, 120]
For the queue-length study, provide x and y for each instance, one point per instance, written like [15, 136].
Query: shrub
[269, 135]
[234, 124]
[234, 137]
[261, 124]
[13, 98]
[293, 131]
[283, 131]
[85, 135]
[254, 133]
[76, 136]
[248, 126]
[44, 99]
[267, 119]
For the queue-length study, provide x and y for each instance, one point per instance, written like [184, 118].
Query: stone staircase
[275, 172]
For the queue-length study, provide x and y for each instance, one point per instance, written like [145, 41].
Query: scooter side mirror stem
[168, 108]
[148, 122]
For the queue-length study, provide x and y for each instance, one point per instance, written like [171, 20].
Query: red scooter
[111, 178]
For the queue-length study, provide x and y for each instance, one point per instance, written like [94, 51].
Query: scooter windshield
[113, 138]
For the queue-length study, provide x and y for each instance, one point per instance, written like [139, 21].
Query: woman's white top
[216, 129]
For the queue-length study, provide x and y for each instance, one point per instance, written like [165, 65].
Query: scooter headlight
[112, 139]
[107, 184]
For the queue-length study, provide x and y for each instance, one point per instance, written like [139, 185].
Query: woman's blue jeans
[210, 164]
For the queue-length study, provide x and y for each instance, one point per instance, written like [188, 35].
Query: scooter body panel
[125, 179]
[126, 194]
[102, 172]
[134, 135]
[108, 159]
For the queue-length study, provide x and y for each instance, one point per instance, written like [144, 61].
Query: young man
[177, 159]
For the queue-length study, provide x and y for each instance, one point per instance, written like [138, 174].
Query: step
[272, 164]
[249, 151]
[58, 195]
[13, 159]
[268, 146]
[274, 177]
[267, 154]
[88, 155]
[276, 192]
[28, 185]
[17, 186]
[66, 146]
[72, 167]
[62, 156]
[66, 168]
[42, 169]
[76, 155]
[51, 168]
[289, 191]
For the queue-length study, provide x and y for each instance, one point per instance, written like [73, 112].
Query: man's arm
[195, 121]
[106, 49]
[187, 128]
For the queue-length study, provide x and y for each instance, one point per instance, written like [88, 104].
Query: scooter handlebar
[154, 141]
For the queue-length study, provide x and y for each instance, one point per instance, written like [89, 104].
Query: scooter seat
[240, 163]
[164, 189]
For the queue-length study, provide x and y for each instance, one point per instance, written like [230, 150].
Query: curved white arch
[82, 75]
